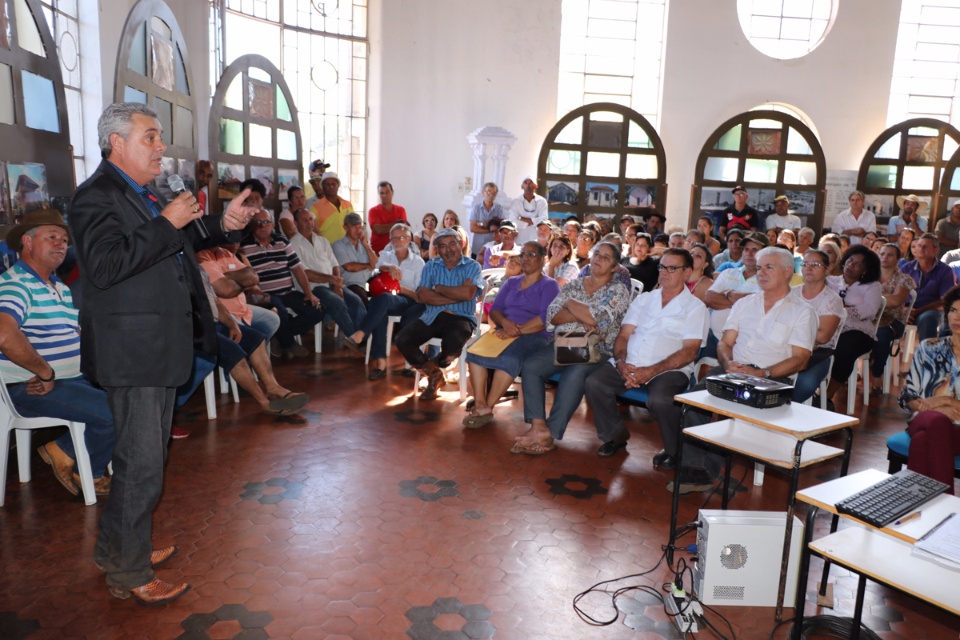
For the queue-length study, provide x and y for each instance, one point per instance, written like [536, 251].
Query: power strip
[686, 622]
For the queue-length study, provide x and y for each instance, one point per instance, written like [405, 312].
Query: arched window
[787, 29]
[36, 159]
[153, 68]
[604, 159]
[949, 190]
[768, 153]
[909, 157]
[254, 132]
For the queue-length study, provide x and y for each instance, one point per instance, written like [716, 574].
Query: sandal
[535, 448]
[477, 420]
[287, 404]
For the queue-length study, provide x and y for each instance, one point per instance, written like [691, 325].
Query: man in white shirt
[768, 335]
[855, 221]
[528, 210]
[732, 285]
[911, 207]
[782, 219]
[655, 349]
[323, 272]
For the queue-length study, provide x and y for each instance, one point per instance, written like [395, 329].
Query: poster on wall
[28, 188]
[265, 176]
[187, 169]
[229, 177]
[287, 178]
[162, 62]
[167, 169]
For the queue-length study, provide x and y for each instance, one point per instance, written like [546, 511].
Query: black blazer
[142, 303]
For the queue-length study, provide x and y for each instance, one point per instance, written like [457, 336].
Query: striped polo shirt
[435, 272]
[272, 263]
[46, 316]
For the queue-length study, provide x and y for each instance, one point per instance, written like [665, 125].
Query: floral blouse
[608, 305]
[566, 271]
[898, 279]
[933, 372]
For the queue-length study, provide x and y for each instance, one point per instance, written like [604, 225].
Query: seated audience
[805, 239]
[641, 264]
[323, 271]
[426, 235]
[932, 395]
[545, 233]
[655, 349]
[586, 240]
[830, 314]
[450, 219]
[296, 200]
[911, 207]
[355, 256]
[493, 256]
[40, 347]
[518, 314]
[277, 265]
[480, 216]
[233, 279]
[560, 265]
[405, 268]
[933, 280]
[782, 219]
[694, 236]
[706, 227]
[732, 253]
[768, 335]
[859, 289]
[572, 229]
[701, 275]
[383, 216]
[678, 239]
[448, 288]
[895, 286]
[331, 210]
[729, 286]
[832, 249]
[905, 241]
[787, 238]
[596, 304]
[948, 230]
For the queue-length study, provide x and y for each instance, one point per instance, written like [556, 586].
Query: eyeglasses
[529, 254]
[263, 223]
[669, 268]
[815, 265]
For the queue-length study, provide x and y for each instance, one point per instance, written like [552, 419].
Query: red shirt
[379, 215]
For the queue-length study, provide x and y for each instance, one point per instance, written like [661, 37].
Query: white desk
[883, 555]
[781, 437]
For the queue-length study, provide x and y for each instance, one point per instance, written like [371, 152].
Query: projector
[749, 390]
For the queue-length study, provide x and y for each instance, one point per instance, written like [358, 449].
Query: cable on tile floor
[829, 626]
[586, 617]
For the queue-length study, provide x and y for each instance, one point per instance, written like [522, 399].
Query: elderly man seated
[233, 278]
[320, 264]
[40, 346]
[769, 334]
[655, 349]
[355, 256]
[448, 287]
[278, 265]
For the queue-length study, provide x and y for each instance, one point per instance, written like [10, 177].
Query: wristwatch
[766, 373]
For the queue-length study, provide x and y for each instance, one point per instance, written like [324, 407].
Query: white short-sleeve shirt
[661, 330]
[766, 338]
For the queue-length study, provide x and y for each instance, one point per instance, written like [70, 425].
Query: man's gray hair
[402, 225]
[784, 257]
[118, 118]
[807, 230]
[857, 193]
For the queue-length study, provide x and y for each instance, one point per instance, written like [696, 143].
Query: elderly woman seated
[596, 303]
[519, 315]
[932, 393]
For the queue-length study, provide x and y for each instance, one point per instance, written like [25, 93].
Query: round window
[786, 29]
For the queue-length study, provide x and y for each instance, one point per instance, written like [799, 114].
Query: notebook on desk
[942, 543]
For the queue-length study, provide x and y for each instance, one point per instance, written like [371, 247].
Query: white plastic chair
[10, 420]
[863, 362]
[227, 385]
[391, 320]
[637, 287]
[893, 364]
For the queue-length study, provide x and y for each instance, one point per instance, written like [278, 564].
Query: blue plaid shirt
[435, 272]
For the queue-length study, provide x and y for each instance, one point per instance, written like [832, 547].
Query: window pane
[231, 136]
[603, 164]
[638, 138]
[563, 162]
[919, 178]
[889, 149]
[572, 133]
[800, 173]
[730, 141]
[233, 98]
[6, 95]
[286, 145]
[261, 141]
[797, 144]
[165, 115]
[283, 109]
[641, 167]
[134, 95]
[40, 102]
[138, 52]
[882, 175]
[724, 169]
[183, 128]
[760, 170]
[28, 35]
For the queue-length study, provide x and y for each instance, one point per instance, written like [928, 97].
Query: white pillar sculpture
[488, 142]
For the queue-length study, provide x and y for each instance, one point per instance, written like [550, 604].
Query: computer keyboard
[889, 499]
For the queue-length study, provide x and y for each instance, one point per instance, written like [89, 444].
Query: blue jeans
[75, 400]
[928, 324]
[265, 321]
[348, 312]
[810, 378]
[881, 350]
[374, 325]
[292, 326]
[536, 370]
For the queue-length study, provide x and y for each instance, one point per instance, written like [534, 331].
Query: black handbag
[576, 347]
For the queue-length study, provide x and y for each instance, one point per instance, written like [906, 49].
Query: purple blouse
[520, 305]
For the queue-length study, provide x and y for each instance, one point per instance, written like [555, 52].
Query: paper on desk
[941, 543]
[489, 345]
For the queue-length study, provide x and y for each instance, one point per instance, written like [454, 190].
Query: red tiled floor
[346, 555]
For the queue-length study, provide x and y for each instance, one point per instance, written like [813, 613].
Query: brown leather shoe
[152, 594]
[62, 465]
[101, 485]
[435, 381]
[157, 557]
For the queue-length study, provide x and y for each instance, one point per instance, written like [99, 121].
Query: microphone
[175, 183]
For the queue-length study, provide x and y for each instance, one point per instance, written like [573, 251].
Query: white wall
[713, 73]
[440, 70]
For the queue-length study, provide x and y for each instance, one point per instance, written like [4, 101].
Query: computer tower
[739, 555]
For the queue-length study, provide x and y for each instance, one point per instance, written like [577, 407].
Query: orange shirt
[217, 262]
[330, 219]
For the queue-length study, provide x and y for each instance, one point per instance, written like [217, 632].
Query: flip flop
[536, 448]
[289, 403]
[475, 421]
[356, 347]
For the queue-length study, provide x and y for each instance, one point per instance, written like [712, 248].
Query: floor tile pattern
[342, 522]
